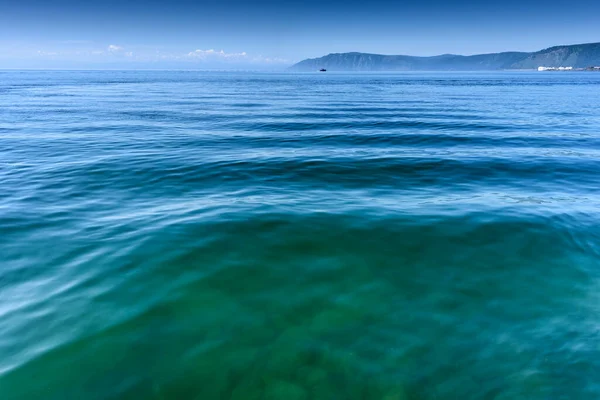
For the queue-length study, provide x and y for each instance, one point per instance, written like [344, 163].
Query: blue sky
[271, 34]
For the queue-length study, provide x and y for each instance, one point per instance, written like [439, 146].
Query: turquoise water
[188, 235]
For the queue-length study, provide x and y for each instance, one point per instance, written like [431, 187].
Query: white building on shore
[555, 68]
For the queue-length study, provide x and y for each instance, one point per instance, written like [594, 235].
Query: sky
[270, 34]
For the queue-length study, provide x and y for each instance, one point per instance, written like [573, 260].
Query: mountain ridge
[576, 55]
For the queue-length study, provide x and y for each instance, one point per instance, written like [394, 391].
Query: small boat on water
[322, 70]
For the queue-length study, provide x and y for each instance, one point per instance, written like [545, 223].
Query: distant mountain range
[576, 56]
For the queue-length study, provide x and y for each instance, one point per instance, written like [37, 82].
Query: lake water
[206, 235]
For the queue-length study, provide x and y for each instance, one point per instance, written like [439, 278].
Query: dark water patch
[249, 105]
[402, 173]
[483, 140]
[376, 124]
[349, 117]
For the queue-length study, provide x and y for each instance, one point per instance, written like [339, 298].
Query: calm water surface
[189, 235]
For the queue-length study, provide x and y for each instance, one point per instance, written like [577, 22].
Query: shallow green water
[185, 235]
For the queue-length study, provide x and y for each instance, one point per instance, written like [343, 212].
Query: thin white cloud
[216, 55]
[113, 48]
[270, 60]
[118, 51]
[114, 52]
[222, 56]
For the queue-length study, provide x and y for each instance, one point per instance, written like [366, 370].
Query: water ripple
[322, 236]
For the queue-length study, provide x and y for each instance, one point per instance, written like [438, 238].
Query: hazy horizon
[217, 61]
